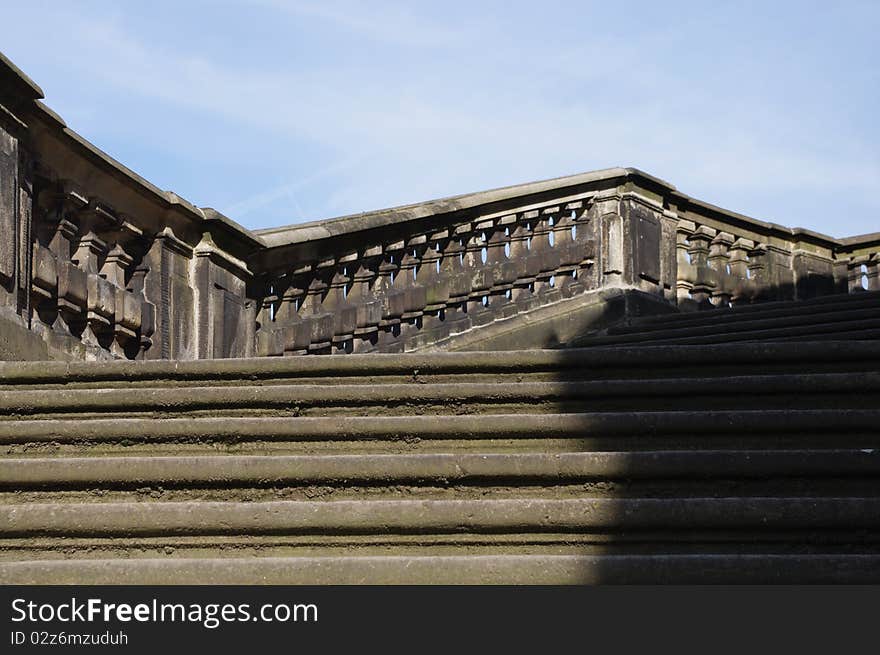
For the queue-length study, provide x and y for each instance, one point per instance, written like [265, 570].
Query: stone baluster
[758, 271]
[392, 298]
[479, 274]
[570, 255]
[415, 293]
[91, 251]
[44, 286]
[705, 279]
[148, 309]
[127, 317]
[336, 302]
[873, 272]
[318, 321]
[362, 296]
[101, 307]
[436, 285]
[386, 273]
[434, 324]
[718, 260]
[269, 342]
[857, 269]
[543, 244]
[684, 284]
[502, 269]
[739, 270]
[71, 298]
[295, 329]
[415, 296]
[527, 262]
[457, 279]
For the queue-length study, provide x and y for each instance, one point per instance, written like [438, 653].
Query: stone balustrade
[96, 262]
[727, 265]
[423, 286]
[87, 276]
[857, 267]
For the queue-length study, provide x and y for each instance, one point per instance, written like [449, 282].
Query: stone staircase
[838, 317]
[749, 462]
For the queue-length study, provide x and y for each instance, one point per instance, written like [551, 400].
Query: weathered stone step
[586, 363]
[831, 327]
[641, 452]
[435, 516]
[539, 397]
[445, 468]
[860, 334]
[730, 316]
[458, 427]
[753, 321]
[819, 303]
[549, 569]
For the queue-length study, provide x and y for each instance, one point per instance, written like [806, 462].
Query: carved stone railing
[737, 261]
[101, 264]
[422, 282]
[857, 265]
[95, 262]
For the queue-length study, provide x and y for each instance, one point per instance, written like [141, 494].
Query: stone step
[618, 464]
[815, 390]
[706, 424]
[549, 569]
[621, 361]
[733, 315]
[429, 469]
[512, 515]
[829, 326]
[854, 335]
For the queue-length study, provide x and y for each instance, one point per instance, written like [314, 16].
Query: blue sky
[277, 112]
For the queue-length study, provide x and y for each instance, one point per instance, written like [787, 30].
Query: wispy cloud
[390, 23]
[288, 190]
[443, 109]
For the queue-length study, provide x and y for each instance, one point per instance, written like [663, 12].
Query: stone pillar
[222, 310]
[167, 286]
[669, 255]
[642, 233]
[813, 274]
[15, 222]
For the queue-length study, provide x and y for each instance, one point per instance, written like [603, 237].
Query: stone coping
[421, 364]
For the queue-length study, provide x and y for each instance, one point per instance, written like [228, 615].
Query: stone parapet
[101, 264]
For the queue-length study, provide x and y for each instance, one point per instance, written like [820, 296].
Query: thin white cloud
[288, 190]
[391, 23]
[522, 110]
